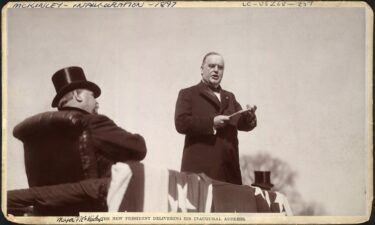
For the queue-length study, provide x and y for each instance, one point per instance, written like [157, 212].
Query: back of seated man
[111, 143]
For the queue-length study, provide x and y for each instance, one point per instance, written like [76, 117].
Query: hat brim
[266, 186]
[73, 86]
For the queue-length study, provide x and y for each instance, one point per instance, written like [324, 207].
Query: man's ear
[77, 96]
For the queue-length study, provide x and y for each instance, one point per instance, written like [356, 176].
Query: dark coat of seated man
[110, 143]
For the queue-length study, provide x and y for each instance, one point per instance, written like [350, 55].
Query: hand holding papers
[222, 120]
[248, 109]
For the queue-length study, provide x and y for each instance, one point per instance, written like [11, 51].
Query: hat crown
[66, 76]
[69, 79]
[262, 179]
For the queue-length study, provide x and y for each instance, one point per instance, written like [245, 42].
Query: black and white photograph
[236, 112]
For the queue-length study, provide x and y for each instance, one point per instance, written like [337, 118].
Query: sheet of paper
[239, 112]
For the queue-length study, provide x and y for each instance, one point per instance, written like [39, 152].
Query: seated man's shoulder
[91, 119]
[97, 117]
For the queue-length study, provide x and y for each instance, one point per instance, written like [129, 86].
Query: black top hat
[69, 79]
[263, 179]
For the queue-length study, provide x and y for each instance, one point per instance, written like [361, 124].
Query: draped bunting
[135, 187]
[161, 190]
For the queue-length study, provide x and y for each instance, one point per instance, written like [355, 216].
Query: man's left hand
[250, 114]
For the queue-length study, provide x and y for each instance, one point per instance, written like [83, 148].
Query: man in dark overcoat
[111, 143]
[204, 114]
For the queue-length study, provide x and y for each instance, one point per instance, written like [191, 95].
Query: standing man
[112, 143]
[203, 114]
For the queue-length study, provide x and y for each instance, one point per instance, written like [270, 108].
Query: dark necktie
[217, 89]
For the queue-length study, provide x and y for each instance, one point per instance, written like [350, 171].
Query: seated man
[112, 143]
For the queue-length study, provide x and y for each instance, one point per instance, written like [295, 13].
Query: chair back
[57, 148]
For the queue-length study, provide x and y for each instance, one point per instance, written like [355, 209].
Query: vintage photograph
[160, 112]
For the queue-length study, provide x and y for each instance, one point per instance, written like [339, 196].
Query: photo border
[249, 217]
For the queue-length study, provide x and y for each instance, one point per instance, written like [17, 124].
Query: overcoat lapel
[224, 100]
[207, 93]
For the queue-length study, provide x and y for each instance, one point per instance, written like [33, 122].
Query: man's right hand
[220, 121]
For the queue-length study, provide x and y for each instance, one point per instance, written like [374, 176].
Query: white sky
[304, 68]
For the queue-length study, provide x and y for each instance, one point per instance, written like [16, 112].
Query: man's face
[88, 101]
[212, 70]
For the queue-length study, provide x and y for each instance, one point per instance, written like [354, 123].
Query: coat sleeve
[245, 122]
[186, 122]
[114, 142]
